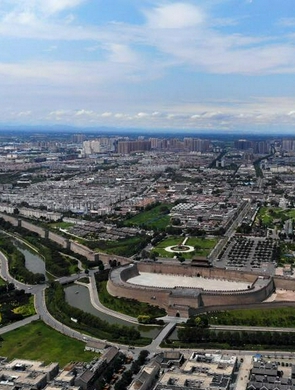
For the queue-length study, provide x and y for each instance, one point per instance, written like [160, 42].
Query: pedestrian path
[162, 335]
[19, 324]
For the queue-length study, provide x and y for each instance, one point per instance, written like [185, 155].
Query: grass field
[151, 219]
[127, 306]
[269, 214]
[125, 247]
[204, 246]
[62, 225]
[37, 341]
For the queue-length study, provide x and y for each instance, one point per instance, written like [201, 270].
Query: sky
[196, 65]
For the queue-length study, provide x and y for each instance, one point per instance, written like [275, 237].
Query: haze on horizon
[205, 65]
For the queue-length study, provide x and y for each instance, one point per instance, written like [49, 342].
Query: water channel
[33, 261]
[77, 295]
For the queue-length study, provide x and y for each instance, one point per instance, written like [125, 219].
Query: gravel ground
[162, 280]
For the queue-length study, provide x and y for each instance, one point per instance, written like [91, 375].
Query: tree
[154, 255]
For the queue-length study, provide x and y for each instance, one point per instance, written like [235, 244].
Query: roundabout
[179, 249]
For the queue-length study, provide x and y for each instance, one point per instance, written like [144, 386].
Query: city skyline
[226, 65]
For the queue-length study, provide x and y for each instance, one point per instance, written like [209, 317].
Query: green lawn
[37, 341]
[151, 219]
[268, 214]
[125, 247]
[205, 246]
[127, 306]
[62, 225]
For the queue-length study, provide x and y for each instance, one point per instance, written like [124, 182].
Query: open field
[37, 341]
[151, 219]
[125, 247]
[269, 215]
[62, 225]
[203, 246]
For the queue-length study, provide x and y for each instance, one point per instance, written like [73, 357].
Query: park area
[274, 216]
[37, 341]
[153, 218]
[201, 247]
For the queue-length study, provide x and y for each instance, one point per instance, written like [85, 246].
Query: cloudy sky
[202, 65]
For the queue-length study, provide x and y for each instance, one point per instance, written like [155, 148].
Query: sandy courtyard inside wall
[163, 280]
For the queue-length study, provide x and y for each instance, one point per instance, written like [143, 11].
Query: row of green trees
[10, 299]
[235, 339]
[263, 317]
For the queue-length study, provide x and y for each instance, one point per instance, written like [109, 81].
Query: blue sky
[225, 65]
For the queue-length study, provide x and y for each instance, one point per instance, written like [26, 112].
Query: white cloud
[84, 113]
[24, 113]
[142, 115]
[56, 6]
[174, 16]
[122, 54]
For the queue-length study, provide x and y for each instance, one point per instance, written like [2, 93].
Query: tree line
[236, 339]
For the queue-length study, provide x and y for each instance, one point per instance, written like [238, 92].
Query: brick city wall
[45, 233]
[64, 242]
[284, 283]
[33, 228]
[181, 303]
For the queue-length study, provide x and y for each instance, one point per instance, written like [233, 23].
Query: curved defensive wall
[184, 301]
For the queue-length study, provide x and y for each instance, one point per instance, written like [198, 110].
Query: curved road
[44, 315]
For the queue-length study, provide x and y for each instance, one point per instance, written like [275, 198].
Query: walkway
[18, 324]
[155, 344]
[97, 304]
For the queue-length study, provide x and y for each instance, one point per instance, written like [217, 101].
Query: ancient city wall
[238, 297]
[129, 272]
[105, 258]
[45, 233]
[64, 242]
[33, 228]
[83, 250]
[284, 283]
[175, 302]
[157, 296]
[14, 221]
